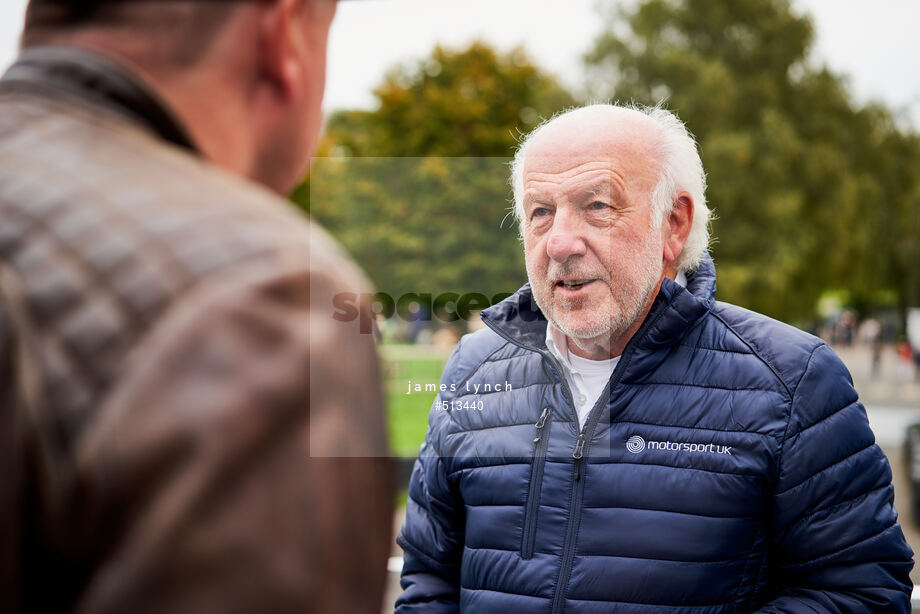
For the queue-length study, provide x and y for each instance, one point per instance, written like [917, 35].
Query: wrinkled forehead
[625, 147]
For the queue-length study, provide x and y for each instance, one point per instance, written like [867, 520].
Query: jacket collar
[674, 312]
[98, 81]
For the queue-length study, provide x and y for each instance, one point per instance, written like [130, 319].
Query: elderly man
[657, 451]
[180, 415]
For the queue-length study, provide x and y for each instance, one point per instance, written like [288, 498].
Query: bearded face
[592, 244]
[597, 295]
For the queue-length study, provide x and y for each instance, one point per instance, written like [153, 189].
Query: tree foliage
[417, 190]
[473, 102]
[811, 191]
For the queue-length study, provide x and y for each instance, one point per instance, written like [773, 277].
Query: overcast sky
[874, 43]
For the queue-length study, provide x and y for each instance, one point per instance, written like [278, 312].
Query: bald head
[599, 135]
[595, 128]
[657, 154]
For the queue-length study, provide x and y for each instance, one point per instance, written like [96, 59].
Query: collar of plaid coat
[99, 81]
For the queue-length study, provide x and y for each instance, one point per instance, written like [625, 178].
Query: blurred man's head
[245, 76]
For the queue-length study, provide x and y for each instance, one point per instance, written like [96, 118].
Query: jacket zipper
[581, 447]
[578, 484]
[541, 442]
[578, 454]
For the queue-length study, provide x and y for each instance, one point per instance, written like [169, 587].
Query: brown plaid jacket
[183, 425]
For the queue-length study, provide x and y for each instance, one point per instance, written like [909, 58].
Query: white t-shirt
[586, 378]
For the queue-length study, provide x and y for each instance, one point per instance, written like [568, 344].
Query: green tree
[811, 191]
[473, 102]
[417, 190]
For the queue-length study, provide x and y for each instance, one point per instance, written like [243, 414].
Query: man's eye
[540, 212]
[598, 205]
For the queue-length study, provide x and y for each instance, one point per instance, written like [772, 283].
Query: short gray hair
[681, 170]
[177, 32]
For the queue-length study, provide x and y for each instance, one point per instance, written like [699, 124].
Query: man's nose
[565, 239]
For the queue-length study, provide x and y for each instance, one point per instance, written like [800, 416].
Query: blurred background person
[164, 320]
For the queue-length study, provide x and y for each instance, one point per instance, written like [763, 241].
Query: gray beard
[612, 328]
[631, 307]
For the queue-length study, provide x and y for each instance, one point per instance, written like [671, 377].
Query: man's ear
[677, 227]
[280, 47]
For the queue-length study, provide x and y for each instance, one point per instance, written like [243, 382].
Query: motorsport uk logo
[636, 444]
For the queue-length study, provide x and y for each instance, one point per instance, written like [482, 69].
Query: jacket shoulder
[471, 353]
[110, 246]
[784, 349]
[151, 191]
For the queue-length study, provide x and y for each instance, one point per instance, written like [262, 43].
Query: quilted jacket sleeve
[837, 545]
[432, 537]
[222, 472]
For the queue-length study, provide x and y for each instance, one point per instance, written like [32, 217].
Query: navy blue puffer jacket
[730, 469]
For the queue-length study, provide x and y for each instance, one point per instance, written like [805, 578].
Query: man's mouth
[574, 284]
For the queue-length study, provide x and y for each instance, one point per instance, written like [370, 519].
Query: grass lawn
[408, 413]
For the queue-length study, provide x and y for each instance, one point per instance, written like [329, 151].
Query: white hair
[681, 169]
